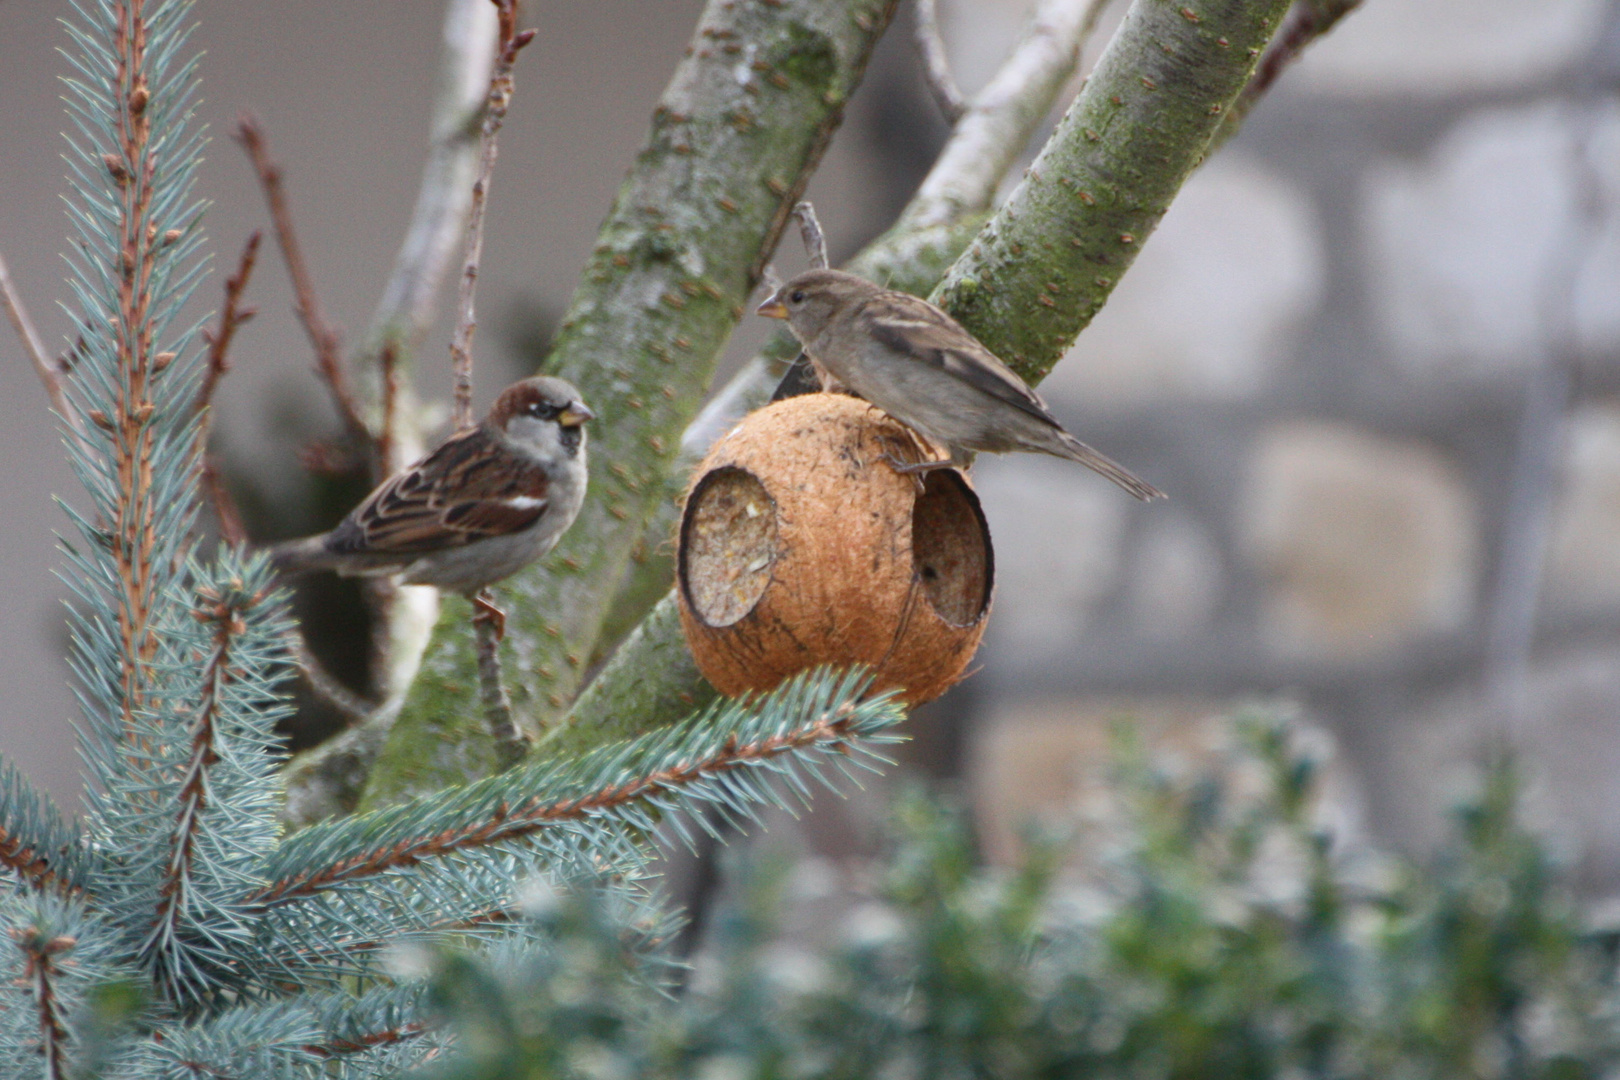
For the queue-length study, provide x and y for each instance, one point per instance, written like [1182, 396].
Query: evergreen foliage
[179, 932]
[505, 928]
[1228, 941]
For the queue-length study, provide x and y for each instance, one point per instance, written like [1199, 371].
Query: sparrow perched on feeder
[920, 366]
[485, 504]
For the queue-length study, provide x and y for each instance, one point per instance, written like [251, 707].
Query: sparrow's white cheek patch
[524, 502]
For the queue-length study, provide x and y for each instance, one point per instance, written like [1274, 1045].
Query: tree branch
[681, 251]
[496, 102]
[652, 680]
[1307, 21]
[231, 316]
[1045, 263]
[49, 374]
[936, 63]
[328, 356]
[997, 125]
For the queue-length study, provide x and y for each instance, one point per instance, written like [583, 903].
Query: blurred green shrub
[1231, 940]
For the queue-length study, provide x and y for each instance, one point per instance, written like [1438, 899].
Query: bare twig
[231, 316]
[326, 686]
[815, 242]
[226, 516]
[998, 123]
[1306, 21]
[495, 105]
[936, 64]
[388, 431]
[489, 625]
[50, 374]
[328, 357]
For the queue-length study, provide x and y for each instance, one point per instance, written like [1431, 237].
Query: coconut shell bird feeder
[800, 545]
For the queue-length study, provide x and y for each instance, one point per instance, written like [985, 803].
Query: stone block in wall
[1177, 576]
[1442, 47]
[1209, 308]
[1050, 762]
[1568, 746]
[1360, 542]
[1583, 571]
[1057, 528]
[1502, 243]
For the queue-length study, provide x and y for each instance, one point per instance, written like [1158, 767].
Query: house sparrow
[920, 366]
[485, 504]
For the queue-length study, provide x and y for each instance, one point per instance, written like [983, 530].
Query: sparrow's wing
[468, 489]
[920, 330]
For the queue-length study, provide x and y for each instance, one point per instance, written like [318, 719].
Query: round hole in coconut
[728, 545]
[950, 548]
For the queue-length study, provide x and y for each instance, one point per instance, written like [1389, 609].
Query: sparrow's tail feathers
[1075, 450]
[297, 556]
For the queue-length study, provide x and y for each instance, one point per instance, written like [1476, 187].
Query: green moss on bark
[734, 141]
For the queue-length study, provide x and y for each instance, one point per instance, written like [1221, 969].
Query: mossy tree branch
[735, 139]
[1035, 274]
[1049, 258]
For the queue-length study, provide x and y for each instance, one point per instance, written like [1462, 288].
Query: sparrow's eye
[796, 296]
[542, 410]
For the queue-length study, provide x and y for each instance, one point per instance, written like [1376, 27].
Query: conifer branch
[37, 844]
[41, 968]
[135, 541]
[821, 712]
[223, 612]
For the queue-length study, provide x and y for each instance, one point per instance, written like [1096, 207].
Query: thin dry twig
[231, 316]
[512, 40]
[936, 64]
[50, 374]
[489, 625]
[328, 355]
[326, 686]
[998, 123]
[815, 241]
[388, 435]
[1307, 20]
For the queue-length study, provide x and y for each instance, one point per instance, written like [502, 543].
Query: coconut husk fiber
[801, 546]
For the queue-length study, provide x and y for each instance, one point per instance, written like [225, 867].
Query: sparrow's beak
[772, 308]
[575, 414]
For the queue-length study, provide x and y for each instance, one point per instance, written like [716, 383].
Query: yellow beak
[772, 309]
[575, 414]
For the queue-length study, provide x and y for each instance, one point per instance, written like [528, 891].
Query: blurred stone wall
[1325, 355]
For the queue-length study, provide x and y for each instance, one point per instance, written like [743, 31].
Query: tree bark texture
[734, 141]
[1036, 273]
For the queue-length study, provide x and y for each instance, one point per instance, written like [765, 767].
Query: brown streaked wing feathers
[913, 327]
[461, 492]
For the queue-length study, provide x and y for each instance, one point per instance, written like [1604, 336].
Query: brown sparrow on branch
[485, 504]
[920, 366]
